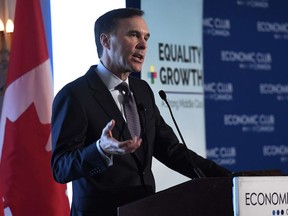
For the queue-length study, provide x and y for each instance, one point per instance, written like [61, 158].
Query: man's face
[128, 45]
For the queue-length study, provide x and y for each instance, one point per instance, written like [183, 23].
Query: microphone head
[162, 94]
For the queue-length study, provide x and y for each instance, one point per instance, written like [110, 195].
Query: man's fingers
[130, 145]
[113, 146]
[110, 125]
[108, 129]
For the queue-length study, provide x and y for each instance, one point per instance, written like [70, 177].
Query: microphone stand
[196, 169]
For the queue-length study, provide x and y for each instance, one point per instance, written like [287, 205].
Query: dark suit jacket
[80, 112]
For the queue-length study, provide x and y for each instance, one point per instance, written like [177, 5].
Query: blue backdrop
[246, 83]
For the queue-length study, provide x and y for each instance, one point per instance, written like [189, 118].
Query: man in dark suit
[92, 144]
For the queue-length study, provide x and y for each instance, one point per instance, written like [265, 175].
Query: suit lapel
[105, 100]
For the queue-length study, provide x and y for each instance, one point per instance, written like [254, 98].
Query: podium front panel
[203, 197]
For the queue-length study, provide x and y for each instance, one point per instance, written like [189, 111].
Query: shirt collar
[109, 79]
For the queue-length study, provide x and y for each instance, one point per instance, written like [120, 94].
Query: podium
[215, 196]
[203, 197]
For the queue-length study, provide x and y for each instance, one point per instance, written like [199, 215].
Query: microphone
[196, 169]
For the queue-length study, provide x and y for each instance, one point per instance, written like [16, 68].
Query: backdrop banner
[245, 46]
[174, 64]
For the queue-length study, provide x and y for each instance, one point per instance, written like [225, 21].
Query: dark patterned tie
[130, 110]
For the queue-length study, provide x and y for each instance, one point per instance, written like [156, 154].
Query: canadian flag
[26, 180]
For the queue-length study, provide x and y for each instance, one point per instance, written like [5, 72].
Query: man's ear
[105, 40]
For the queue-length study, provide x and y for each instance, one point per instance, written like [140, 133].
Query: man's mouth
[138, 56]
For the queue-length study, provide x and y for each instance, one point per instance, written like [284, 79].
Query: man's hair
[107, 23]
